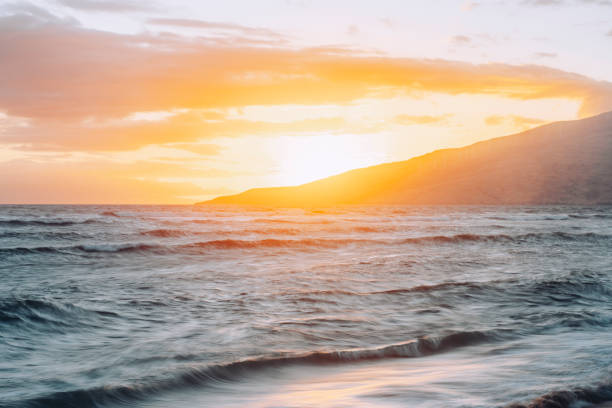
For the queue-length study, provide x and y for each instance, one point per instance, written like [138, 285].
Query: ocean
[197, 306]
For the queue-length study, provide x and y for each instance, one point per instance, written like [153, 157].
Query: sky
[119, 101]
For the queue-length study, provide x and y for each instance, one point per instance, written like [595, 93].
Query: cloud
[420, 120]
[516, 120]
[114, 75]
[469, 5]
[298, 3]
[203, 149]
[542, 2]
[353, 30]
[112, 6]
[24, 16]
[180, 130]
[387, 22]
[74, 87]
[545, 55]
[597, 2]
[461, 40]
[216, 26]
[564, 2]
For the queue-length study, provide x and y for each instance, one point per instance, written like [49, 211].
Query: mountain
[559, 163]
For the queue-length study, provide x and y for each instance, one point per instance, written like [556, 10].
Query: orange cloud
[516, 120]
[56, 70]
[184, 129]
[203, 149]
[420, 120]
[64, 88]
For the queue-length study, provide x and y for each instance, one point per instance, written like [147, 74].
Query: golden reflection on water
[369, 383]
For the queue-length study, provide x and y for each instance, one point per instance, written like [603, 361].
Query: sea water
[196, 306]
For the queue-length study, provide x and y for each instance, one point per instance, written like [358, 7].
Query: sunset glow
[127, 104]
[306, 203]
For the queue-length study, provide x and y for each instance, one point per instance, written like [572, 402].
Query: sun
[304, 159]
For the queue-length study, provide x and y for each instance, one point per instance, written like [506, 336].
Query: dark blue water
[397, 307]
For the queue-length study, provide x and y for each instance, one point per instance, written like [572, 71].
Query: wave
[589, 216]
[183, 221]
[166, 233]
[287, 221]
[116, 248]
[431, 288]
[71, 250]
[518, 217]
[234, 371]
[46, 314]
[30, 251]
[570, 398]
[43, 223]
[521, 238]
[109, 214]
[561, 291]
[277, 243]
[196, 247]
[573, 285]
[174, 233]
[305, 243]
[575, 289]
[414, 289]
[42, 235]
[207, 221]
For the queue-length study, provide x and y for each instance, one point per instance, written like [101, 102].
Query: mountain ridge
[567, 162]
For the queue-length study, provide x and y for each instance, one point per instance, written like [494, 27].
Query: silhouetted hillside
[559, 163]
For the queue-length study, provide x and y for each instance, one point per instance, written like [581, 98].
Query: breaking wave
[570, 398]
[209, 375]
[46, 315]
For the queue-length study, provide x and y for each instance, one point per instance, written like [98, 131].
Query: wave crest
[236, 370]
[276, 243]
[46, 314]
[555, 236]
[570, 398]
[304, 243]
[43, 223]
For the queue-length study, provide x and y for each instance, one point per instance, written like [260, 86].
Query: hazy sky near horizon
[115, 101]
